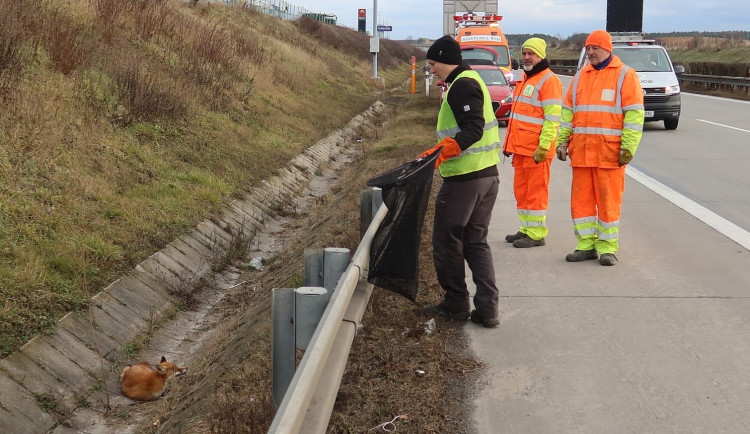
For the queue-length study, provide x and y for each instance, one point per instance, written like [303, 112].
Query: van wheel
[671, 124]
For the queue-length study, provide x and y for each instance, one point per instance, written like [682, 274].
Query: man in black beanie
[467, 133]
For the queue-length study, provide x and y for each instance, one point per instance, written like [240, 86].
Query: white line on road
[722, 125]
[717, 97]
[722, 225]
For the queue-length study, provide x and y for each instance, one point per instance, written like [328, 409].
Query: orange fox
[145, 382]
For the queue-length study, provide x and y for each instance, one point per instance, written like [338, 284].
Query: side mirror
[679, 69]
[515, 64]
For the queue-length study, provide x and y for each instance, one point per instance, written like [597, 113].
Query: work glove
[450, 150]
[562, 152]
[625, 157]
[506, 153]
[540, 155]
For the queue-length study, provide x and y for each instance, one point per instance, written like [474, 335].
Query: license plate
[649, 113]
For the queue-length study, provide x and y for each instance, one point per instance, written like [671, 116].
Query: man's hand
[450, 150]
[540, 155]
[506, 153]
[562, 152]
[625, 157]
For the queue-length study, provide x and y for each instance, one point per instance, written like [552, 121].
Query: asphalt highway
[659, 343]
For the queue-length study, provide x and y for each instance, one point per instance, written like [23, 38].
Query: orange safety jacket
[603, 112]
[535, 114]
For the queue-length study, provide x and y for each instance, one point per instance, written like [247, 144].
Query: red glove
[450, 150]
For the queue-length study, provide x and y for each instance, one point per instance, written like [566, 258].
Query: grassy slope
[125, 123]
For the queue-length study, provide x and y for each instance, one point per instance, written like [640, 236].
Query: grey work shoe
[608, 259]
[438, 310]
[581, 255]
[527, 241]
[487, 322]
[517, 236]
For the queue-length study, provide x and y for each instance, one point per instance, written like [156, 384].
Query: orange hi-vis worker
[532, 131]
[601, 128]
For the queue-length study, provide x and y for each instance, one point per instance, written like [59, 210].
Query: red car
[500, 90]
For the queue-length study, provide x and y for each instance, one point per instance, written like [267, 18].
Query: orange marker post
[413, 74]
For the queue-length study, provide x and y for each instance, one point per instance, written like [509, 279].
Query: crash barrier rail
[311, 394]
[714, 82]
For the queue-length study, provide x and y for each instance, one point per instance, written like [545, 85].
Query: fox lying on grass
[146, 382]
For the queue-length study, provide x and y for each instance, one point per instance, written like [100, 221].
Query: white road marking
[722, 125]
[717, 97]
[719, 223]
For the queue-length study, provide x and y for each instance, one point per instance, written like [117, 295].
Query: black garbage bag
[394, 253]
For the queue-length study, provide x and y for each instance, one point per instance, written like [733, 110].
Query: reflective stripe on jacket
[535, 115]
[484, 152]
[602, 113]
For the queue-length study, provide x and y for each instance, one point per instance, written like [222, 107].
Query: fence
[280, 8]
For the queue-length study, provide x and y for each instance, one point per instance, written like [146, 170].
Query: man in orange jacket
[532, 130]
[601, 128]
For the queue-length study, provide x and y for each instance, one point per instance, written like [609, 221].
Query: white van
[661, 89]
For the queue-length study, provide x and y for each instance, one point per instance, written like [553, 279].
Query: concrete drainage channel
[65, 371]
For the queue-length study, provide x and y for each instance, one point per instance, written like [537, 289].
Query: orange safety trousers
[531, 189]
[595, 205]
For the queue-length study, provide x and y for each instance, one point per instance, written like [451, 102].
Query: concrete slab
[199, 253]
[196, 265]
[59, 366]
[207, 250]
[211, 242]
[74, 349]
[144, 301]
[216, 235]
[162, 275]
[96, 337]
[19, 411]
[117, 311]
[139, 276]
[249, 218]
[36, 380]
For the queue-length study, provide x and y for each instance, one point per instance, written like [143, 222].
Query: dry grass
[125, 123]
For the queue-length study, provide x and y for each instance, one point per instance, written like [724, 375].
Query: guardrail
[713, 82]
[716, 82]
[309, 399]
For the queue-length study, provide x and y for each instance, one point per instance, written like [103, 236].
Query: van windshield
[644, 59]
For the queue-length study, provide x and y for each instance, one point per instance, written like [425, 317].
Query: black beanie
[445, 50]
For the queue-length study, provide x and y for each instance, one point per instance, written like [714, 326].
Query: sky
[424, 18]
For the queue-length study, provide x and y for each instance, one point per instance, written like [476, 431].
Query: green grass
[121, 130]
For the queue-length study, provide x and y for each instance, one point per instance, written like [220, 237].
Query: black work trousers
[462, 217]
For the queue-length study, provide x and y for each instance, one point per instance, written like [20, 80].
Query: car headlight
[672, 90]
[509, 99]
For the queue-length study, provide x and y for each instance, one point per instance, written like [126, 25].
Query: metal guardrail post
[309, 304]
[313, 267]
[335, 260]
[296, 402]
[283, 358]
